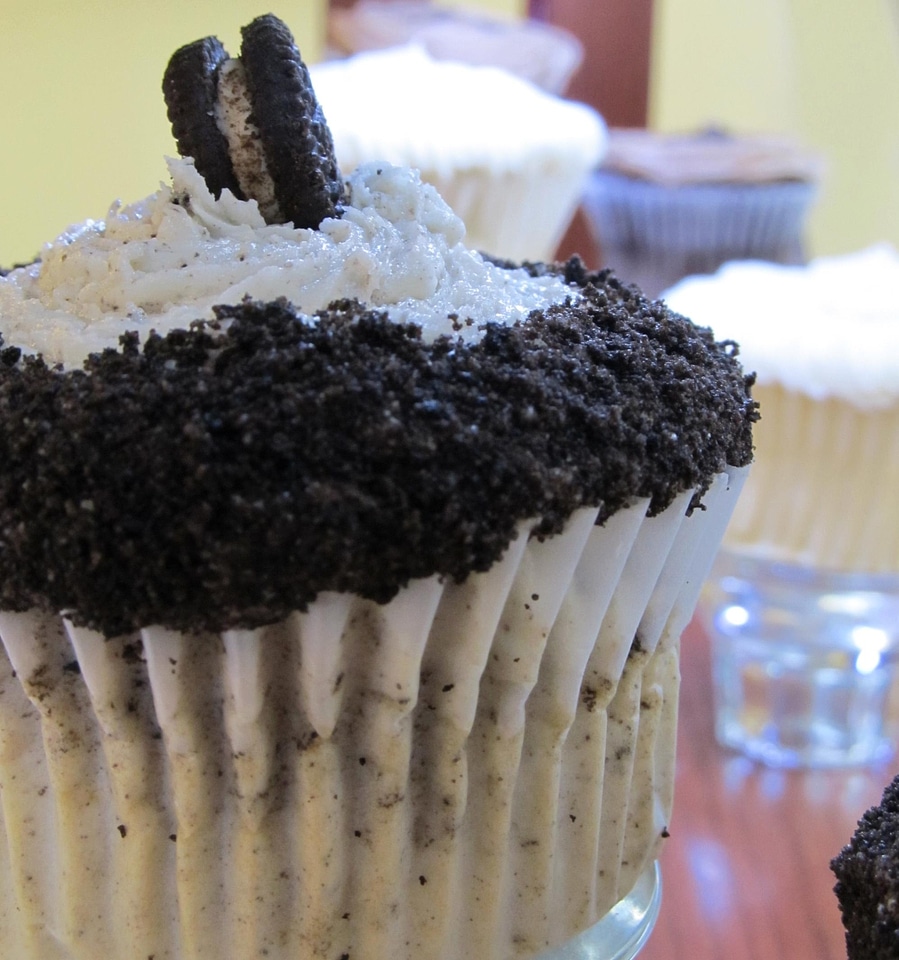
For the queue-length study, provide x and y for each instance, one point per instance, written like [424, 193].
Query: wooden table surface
[745, 874]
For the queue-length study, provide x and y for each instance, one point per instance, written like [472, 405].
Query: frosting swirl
[168, 260]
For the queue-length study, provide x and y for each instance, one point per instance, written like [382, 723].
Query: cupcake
[867, 887]
[509, 158]
[540, 52]
[663, 206]
[827, 458]
[802, 604]
[342, 569]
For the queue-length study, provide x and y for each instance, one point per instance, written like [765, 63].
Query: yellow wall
[83, 118]
[826, 70]
[512, 8]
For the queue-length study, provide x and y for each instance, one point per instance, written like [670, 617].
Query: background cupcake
[662, 207]
[508, 157]
[823, 344]
[803, 602]
[536, 51]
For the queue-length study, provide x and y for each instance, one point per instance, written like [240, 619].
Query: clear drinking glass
[803, 661]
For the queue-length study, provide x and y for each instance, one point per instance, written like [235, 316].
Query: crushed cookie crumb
[227, 428]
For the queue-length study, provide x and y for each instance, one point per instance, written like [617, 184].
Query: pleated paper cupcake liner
[471, 770]
[813, 499]
[516, 214]
[654, 235]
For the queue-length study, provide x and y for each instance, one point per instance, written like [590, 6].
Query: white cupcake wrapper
[479, 769]
[845, 462]
[517, 214]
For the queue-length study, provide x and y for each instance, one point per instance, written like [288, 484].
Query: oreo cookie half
[253, 124]
[190, 87]
[295, 137]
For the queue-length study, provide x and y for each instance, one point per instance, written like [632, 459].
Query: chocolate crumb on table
[867, 887]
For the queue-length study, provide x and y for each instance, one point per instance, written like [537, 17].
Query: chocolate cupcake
[662, 206]
[342, 570]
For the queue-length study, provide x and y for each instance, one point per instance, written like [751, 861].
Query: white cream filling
[167, 260]
[244, 144]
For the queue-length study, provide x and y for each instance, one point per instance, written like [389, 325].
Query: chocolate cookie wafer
[190, 86]
[295, 137]
[253, 124]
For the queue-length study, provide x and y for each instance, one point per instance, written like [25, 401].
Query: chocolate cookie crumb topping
[867, 887]
[225, 475]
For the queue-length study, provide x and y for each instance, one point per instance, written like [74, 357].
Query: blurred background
[84, 120]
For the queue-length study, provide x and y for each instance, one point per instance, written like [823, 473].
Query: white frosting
[167, 260]
[829, 329]
[403, 106]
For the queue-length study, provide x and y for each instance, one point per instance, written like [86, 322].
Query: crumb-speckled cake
[342, 570]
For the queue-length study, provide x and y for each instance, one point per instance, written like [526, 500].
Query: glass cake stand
[621, 934]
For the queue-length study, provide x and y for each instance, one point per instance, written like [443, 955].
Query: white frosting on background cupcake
[509, 158]
[828, 329]
[404, 106]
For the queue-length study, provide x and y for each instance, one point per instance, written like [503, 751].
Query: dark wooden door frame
[613, 78]
[617, 39]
